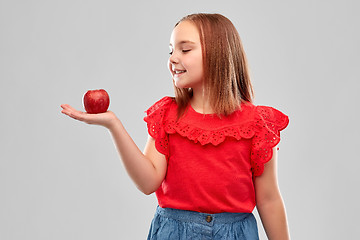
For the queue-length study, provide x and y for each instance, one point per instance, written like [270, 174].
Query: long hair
[226, 72]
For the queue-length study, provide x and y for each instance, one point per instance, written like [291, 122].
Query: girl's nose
[173, 58]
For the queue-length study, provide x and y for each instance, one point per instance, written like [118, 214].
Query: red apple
[96, 101]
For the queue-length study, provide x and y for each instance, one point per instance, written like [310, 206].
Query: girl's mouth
[178, 73]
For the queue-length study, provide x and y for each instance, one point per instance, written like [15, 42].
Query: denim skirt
[174, 224]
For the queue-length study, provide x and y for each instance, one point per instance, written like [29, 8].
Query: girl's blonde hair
[226, 73]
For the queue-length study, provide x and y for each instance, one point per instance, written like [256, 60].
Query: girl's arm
[147, 169]
[269, 202]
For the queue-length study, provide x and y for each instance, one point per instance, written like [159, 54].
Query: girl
[211, 154]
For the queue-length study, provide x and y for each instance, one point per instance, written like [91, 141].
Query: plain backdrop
[63, 179]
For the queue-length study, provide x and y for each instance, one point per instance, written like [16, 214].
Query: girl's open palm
[104, 119]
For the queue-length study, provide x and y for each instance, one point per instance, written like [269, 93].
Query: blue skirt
[173, 224]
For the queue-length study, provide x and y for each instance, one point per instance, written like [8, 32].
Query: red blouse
[212, 160]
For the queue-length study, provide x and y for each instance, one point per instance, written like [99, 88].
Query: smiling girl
[211, 154]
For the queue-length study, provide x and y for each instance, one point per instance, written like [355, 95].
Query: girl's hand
[106, 119]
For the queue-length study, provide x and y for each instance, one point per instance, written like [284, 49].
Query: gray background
[62, 179]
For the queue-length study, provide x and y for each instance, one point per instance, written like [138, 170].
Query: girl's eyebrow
[183, 42]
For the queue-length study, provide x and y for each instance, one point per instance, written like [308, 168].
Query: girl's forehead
[184, 32]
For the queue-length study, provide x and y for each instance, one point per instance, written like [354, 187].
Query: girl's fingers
[67, 107]
[72, 112]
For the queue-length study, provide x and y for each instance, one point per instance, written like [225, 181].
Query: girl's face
[185, 62]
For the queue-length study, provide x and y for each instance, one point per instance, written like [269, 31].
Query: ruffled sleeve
[155, 117]
[268, 124]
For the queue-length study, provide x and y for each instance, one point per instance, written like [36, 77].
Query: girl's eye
[184, 51]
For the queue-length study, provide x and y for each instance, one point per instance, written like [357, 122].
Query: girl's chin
[183, 84]
[179, 84]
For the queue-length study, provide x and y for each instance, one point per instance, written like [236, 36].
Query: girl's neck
[200, 102]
